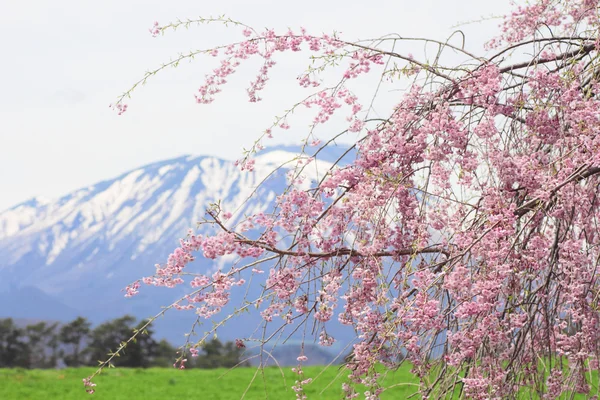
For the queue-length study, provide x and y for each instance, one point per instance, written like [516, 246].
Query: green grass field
[166, 384]
[218, 384]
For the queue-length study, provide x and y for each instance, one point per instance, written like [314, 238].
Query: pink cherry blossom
[463, 233]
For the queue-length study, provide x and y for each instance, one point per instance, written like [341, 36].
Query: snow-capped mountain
[74, 255]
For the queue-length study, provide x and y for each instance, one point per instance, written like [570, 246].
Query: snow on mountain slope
[83, 248]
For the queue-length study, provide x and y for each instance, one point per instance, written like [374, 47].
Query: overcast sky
[64, 61]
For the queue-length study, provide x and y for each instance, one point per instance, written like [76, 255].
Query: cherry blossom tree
[463, 235]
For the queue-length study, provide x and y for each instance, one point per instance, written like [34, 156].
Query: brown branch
[577, 176]
[345, 251]
[342, 251]
[582, 50]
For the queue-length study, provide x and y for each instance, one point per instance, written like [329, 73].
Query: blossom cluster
[464, 235]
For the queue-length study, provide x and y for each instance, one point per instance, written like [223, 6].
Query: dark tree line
[76, 344]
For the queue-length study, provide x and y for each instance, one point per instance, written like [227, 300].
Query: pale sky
[64, 61]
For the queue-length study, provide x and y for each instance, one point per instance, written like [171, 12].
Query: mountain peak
[83, 248]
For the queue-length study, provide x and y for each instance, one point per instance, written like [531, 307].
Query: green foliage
[42, 345]
[111, 335]
[73, 336]
[165, 354]
[14, 350]
[218, 355]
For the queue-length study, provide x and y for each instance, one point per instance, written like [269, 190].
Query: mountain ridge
[83, 248]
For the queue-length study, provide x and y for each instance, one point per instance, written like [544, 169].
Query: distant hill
[288, 354]
[34, 305]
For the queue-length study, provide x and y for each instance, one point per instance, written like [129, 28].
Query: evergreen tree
[142, 351]
[42, 345]
[14, 350]
[165, 354]
[109, 336]
[74, 335]
[218, 355]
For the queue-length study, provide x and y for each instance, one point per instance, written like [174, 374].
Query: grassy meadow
[216, 384]
[164, 384]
